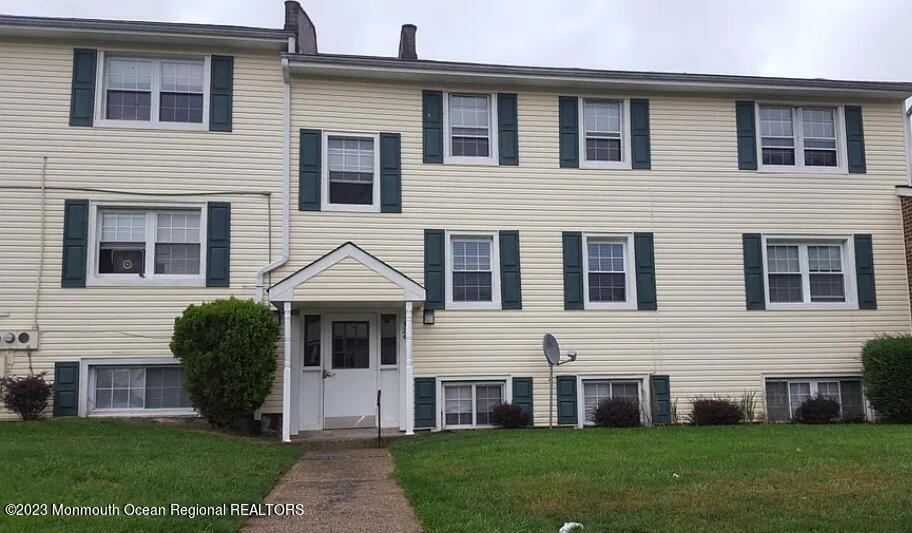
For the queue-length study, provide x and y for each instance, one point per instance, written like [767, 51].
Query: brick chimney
[297, 21]
[407, 42]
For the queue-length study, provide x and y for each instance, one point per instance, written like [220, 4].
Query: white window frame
[629, 271]
[625, 162]
[87, 387]
[847, 246]
[443, 383]
[95, 279]
[400, 340]
[798, 130]
[814, 380]
[493, 158]
[495, 269]
[641, 379]
[611, 382]
[153, 122]
[374, 206]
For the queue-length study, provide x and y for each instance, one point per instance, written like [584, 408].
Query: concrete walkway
[342, 491]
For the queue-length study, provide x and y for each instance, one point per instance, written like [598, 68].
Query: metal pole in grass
[552, 355]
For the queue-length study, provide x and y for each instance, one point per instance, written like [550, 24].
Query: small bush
[888, 376]
[227, 349]
[817, 410]
[715, 412]
[509, 416]
[26, 396]
[748, 406]
[617, 413]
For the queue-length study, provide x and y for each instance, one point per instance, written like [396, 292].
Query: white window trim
[495, 269]
[493, 158]
[798, 130]
[629, 271]
[581, 380]
[400, 340]
[87, 387]
[94, 279]
[847, 245]
[503, 381]
[153, 122]
[814, 379]
[374, 207]
[612, 381]
[625, 162]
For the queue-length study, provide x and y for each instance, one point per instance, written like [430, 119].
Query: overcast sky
[860, 39]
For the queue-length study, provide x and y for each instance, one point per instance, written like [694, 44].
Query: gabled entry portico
[347, 322]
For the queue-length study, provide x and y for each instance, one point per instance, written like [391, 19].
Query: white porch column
[409, 374]
[286, 375]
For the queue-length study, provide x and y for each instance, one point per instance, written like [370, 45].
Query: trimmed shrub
[888, 376]
[26, 396]
[227, 349]
[817, 410]
[715, 412]
[617, 413]
[509, 416]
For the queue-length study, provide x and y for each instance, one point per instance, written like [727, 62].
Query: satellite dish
[551, 349]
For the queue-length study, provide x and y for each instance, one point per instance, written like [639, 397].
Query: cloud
[808, 38]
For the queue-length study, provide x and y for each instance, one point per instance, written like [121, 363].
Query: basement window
[785, 395]
[125, 388]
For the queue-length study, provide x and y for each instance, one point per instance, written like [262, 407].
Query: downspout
[908, 128]
[286, 186]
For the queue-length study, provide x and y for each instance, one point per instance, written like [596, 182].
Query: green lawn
[101, 462]
[678, 479]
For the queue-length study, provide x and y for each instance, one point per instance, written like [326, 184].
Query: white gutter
[908, 129]
[286, 186]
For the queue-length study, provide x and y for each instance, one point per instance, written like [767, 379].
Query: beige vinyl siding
[695, 201]
[237, 167]
[344, 278]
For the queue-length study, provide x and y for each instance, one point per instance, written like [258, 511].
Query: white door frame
[326, 353]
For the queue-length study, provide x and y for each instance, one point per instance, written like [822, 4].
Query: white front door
[350, 371]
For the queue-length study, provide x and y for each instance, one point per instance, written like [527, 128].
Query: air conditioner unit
[19, 340]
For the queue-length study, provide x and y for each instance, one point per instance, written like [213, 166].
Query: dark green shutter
[75, 243]
[644, 256]
[82, 92]
[747, 135]
[753, 271]
[66, 389]
[425, 402]
[218, 244]
[310, 170]
[566, 400]
[390, 173]
[432, 124]
[522, 396]
[568, 123]
[510, 278]
[660, 390]
[507, 129]
[434, 268]
[641, 151]
[855, 146]
[573, 270]
[864, 271]
[221, 89]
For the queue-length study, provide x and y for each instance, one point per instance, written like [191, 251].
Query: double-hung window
[473, 271]
[470, 119]
[148, 245]
[799, 138]
[471, 404]
[609, 279]
[596, 391]
[785, 395]
[808, 272]
[604, 136]
[140, 91]
[350, 176]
